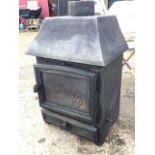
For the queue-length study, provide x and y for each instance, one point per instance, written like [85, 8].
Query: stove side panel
[109, 98]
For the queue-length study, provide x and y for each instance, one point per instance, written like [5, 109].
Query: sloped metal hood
[94, 40]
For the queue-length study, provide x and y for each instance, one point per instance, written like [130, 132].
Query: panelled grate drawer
[74, 126]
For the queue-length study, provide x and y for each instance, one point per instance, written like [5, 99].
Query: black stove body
[78, 73]
[83, 99]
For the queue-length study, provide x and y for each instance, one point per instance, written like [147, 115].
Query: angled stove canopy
[93, 40]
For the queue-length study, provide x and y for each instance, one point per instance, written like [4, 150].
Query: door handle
[36, 88]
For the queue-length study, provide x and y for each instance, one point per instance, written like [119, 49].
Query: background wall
[42, 3]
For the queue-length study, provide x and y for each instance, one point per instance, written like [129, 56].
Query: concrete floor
[38, 138]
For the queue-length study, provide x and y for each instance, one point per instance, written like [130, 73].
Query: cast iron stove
[78, 73]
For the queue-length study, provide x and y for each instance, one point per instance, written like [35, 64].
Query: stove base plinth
[95, 134]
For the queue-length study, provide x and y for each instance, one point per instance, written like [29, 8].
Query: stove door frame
[89, 118]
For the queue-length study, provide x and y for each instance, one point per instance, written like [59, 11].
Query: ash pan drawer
[71, 125]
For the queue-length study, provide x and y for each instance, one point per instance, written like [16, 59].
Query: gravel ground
[38, 138]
